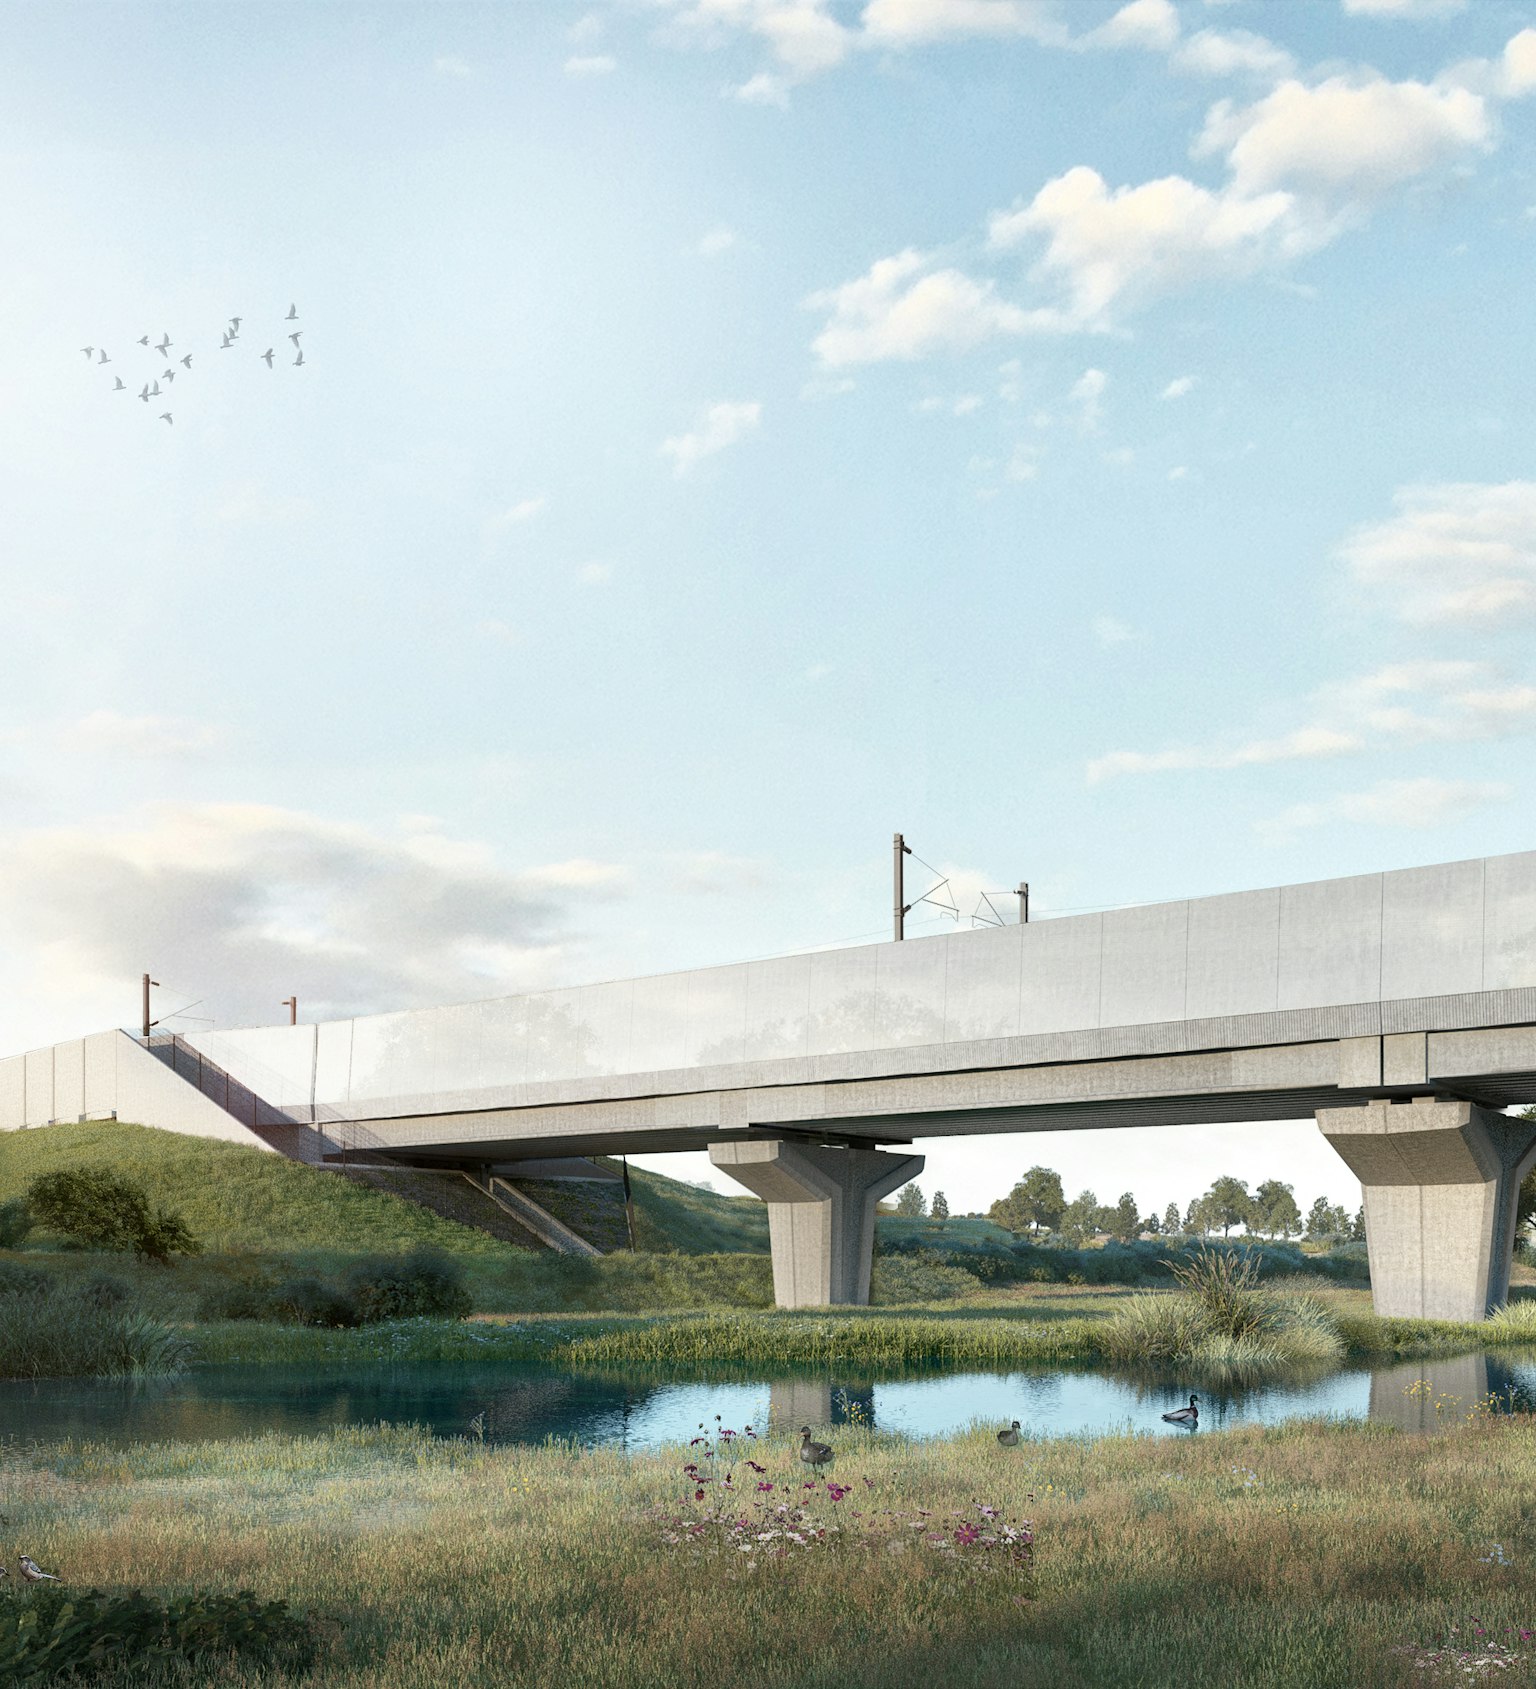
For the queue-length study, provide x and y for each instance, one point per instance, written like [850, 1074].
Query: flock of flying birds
[97, 356]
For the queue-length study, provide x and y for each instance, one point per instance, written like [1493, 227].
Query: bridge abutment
[1441, 1181]
[821, 1212]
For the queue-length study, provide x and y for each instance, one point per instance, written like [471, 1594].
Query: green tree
[1080, 1219]
[1326, 1220]
[1357, 1226]
[1274, 1210]
[1123, 1221]
[1227, 1204]
[1152, 1225]
[940, 1207]
[1525, 1207]
[911, 1203]
[15, 1223]
[1172, 1224]
[103, 1210]
[1036, 1200]
[1196, 1219]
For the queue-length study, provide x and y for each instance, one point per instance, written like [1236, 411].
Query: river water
[524, 1404]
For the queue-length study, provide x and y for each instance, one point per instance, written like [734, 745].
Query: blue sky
[1093, 440]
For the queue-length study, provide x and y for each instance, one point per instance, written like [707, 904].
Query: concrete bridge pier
[821, 1212]
[1441, 1180]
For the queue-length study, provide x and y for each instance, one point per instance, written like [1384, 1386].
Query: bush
[104, 1292]
[15, 1222]
[423, 1282]
[99, 1209]
[50, 1631]
[311, 1301]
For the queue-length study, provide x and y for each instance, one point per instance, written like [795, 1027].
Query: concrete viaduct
[1399, 1008]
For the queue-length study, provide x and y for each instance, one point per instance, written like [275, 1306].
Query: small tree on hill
[1152, 1225]
[102, 1210]
[1172, 1224]
[1326, 1220]
[1080, 1219]
[940, 1207]
[1123, 1221]
[1227, 1204]
[1274, 1210]
[911, 1204]
[1036, 1200]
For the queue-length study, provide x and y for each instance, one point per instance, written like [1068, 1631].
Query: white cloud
[1110, 631]
[1180, 472]
[585, 29]
[1403, 8]
[1424, 802]
[1152, 25]
[447, 64]
[911, 23]
[515, 515]
[1459, 554]
[1518, 66]
[1086, 394]
[499, 632]
[1178, 387]
[1305, 744]
[899, 309]
[591, 64]
[1237, 52]
[1344, 139]
[245, 903]
[594, 574]
[106, 733]
[719, 239]
[720, 426]
[764, 89]
[964, 404]
[1023, 463]
[1115, 248]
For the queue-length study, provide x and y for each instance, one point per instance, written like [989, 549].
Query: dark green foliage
[16, 1280]
[100, 1209]
[1226, 1204]
[1037, 1200]
[49, 1632]
[423, 1282]
[940, 1208]
[15, 1222]
[311, 1301]
[1123, 1223]
[911, 1202]
[1275, 1213]
[104, 1293]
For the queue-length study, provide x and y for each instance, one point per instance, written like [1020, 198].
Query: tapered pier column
[821, 1212]
[1441, 1181]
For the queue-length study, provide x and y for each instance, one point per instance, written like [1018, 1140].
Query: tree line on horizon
[1038, 1205]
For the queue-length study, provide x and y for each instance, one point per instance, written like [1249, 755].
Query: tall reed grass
[55, 1334]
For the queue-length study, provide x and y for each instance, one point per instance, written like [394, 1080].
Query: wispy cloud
[592, 64]
[720, 426]
[1424, 802]
[1178, 387]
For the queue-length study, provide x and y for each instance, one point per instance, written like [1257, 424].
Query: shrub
[423, 1282]
[311, 1301]
[48, 1632]
[15, 1222]
[100, 1209]
[104, 1292]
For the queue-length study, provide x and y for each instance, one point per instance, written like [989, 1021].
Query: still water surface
[526, 1404]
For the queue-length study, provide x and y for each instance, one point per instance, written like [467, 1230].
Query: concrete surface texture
[821, 1213]
[1441, 1181]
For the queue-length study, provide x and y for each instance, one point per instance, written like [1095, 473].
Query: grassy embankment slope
[1287, 1558]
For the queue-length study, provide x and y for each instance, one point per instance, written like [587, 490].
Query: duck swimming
[1185, 1415]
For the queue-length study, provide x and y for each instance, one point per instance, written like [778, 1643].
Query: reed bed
[1302, 1555]
[58, 1334]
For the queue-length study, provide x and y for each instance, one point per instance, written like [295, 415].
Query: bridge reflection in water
[525, 1405]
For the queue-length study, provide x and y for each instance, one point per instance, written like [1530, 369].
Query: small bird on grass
[34, 1573]
[1009, 1438]
[813, 1454]
[1185, 1415]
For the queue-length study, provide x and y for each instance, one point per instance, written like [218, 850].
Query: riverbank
[1302, 1555]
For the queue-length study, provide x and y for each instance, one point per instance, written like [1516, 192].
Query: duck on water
[1185, 1415]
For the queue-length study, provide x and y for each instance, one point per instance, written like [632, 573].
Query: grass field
[1300, 1557]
